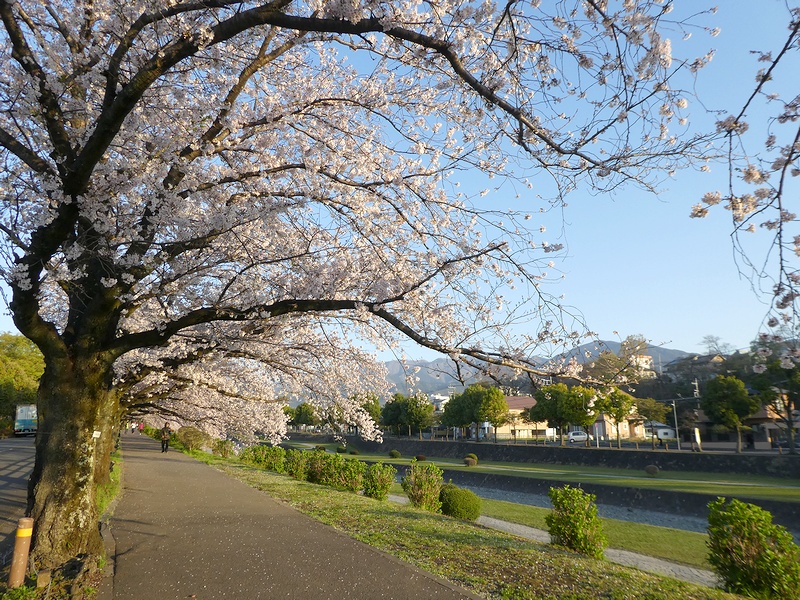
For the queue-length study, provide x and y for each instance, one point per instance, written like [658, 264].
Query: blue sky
[639, 264]
[636, 263]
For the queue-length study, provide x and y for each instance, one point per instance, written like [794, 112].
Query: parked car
[785, 443]
[578, 436]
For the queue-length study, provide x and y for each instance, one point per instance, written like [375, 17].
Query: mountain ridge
[438, 376]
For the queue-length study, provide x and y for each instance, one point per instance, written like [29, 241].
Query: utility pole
[677, 431]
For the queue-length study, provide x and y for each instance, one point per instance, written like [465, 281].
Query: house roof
[520, 402]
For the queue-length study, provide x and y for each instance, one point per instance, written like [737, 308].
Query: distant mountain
[590, 351]
[439, 376]
[431, 377]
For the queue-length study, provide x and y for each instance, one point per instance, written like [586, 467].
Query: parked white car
[578, 436]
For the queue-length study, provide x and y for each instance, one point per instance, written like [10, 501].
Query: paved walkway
[16, 464]
[184, 530]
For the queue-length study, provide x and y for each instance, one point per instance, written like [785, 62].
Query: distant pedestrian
[141, 428]
[133, 427]
[165, 433]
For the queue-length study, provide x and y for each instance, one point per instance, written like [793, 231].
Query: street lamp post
[677, 432]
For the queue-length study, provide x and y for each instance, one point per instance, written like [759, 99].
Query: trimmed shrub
[422, 483]
[341, 450]
[297, 464]
[354, 452]
[192, 438]
[223, 448]
[350, 475]
[271, 458]
[751, 555]
[320, 447]
[574, 523]
[420, 457]
[470, 462]
[459, 503]
[378, 480]
[473, 456]
[651, 470]
[394, 454]
[321, 467]
[335, 471]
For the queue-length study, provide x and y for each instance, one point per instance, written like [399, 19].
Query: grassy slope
[491, 563]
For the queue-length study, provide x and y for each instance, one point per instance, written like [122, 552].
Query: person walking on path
[166, 432]
[181, 529]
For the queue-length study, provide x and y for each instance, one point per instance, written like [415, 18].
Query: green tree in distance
[617, 405]
[372, 404]
[726, 401]
[776, 376]
[21, 366]
[304, 415]
[652, 410]
[493, 408]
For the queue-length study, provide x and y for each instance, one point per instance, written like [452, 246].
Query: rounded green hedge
[459, 503]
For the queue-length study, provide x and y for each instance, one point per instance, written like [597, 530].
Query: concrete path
[16, 464]
[184, 530]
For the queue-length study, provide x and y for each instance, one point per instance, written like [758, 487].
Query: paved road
[185, 530]
[16, 464]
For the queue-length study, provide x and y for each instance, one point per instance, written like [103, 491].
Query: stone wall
[747, 463]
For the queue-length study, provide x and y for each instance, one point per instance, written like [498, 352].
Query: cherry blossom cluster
[215, 201]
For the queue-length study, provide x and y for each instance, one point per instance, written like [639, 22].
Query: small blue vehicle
[26, 420]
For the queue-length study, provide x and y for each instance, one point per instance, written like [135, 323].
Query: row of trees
[560, 406]
[476, 404]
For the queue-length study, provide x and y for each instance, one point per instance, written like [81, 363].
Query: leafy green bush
[460, 503]
[473, 456]
[378, 480]
[354, 452]
[297, 464]
[335, 471]
[574, 523]
[271, 458]
[321, 466]
[350, 475]
[341, 450]
[422, 483]
[651, 470]
[192, 438]
[223, 448]
[751, 555]
[394, 454]
[320, 447]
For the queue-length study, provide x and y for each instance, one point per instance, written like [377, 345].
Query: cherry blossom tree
[205, 205]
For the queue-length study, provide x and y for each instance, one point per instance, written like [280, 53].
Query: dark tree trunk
[71, 458]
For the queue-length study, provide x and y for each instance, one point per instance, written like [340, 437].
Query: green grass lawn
[490, 563]
[675, 545]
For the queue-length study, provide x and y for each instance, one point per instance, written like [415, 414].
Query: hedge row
[317, 466]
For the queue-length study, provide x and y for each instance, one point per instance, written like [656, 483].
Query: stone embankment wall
[747, 463]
